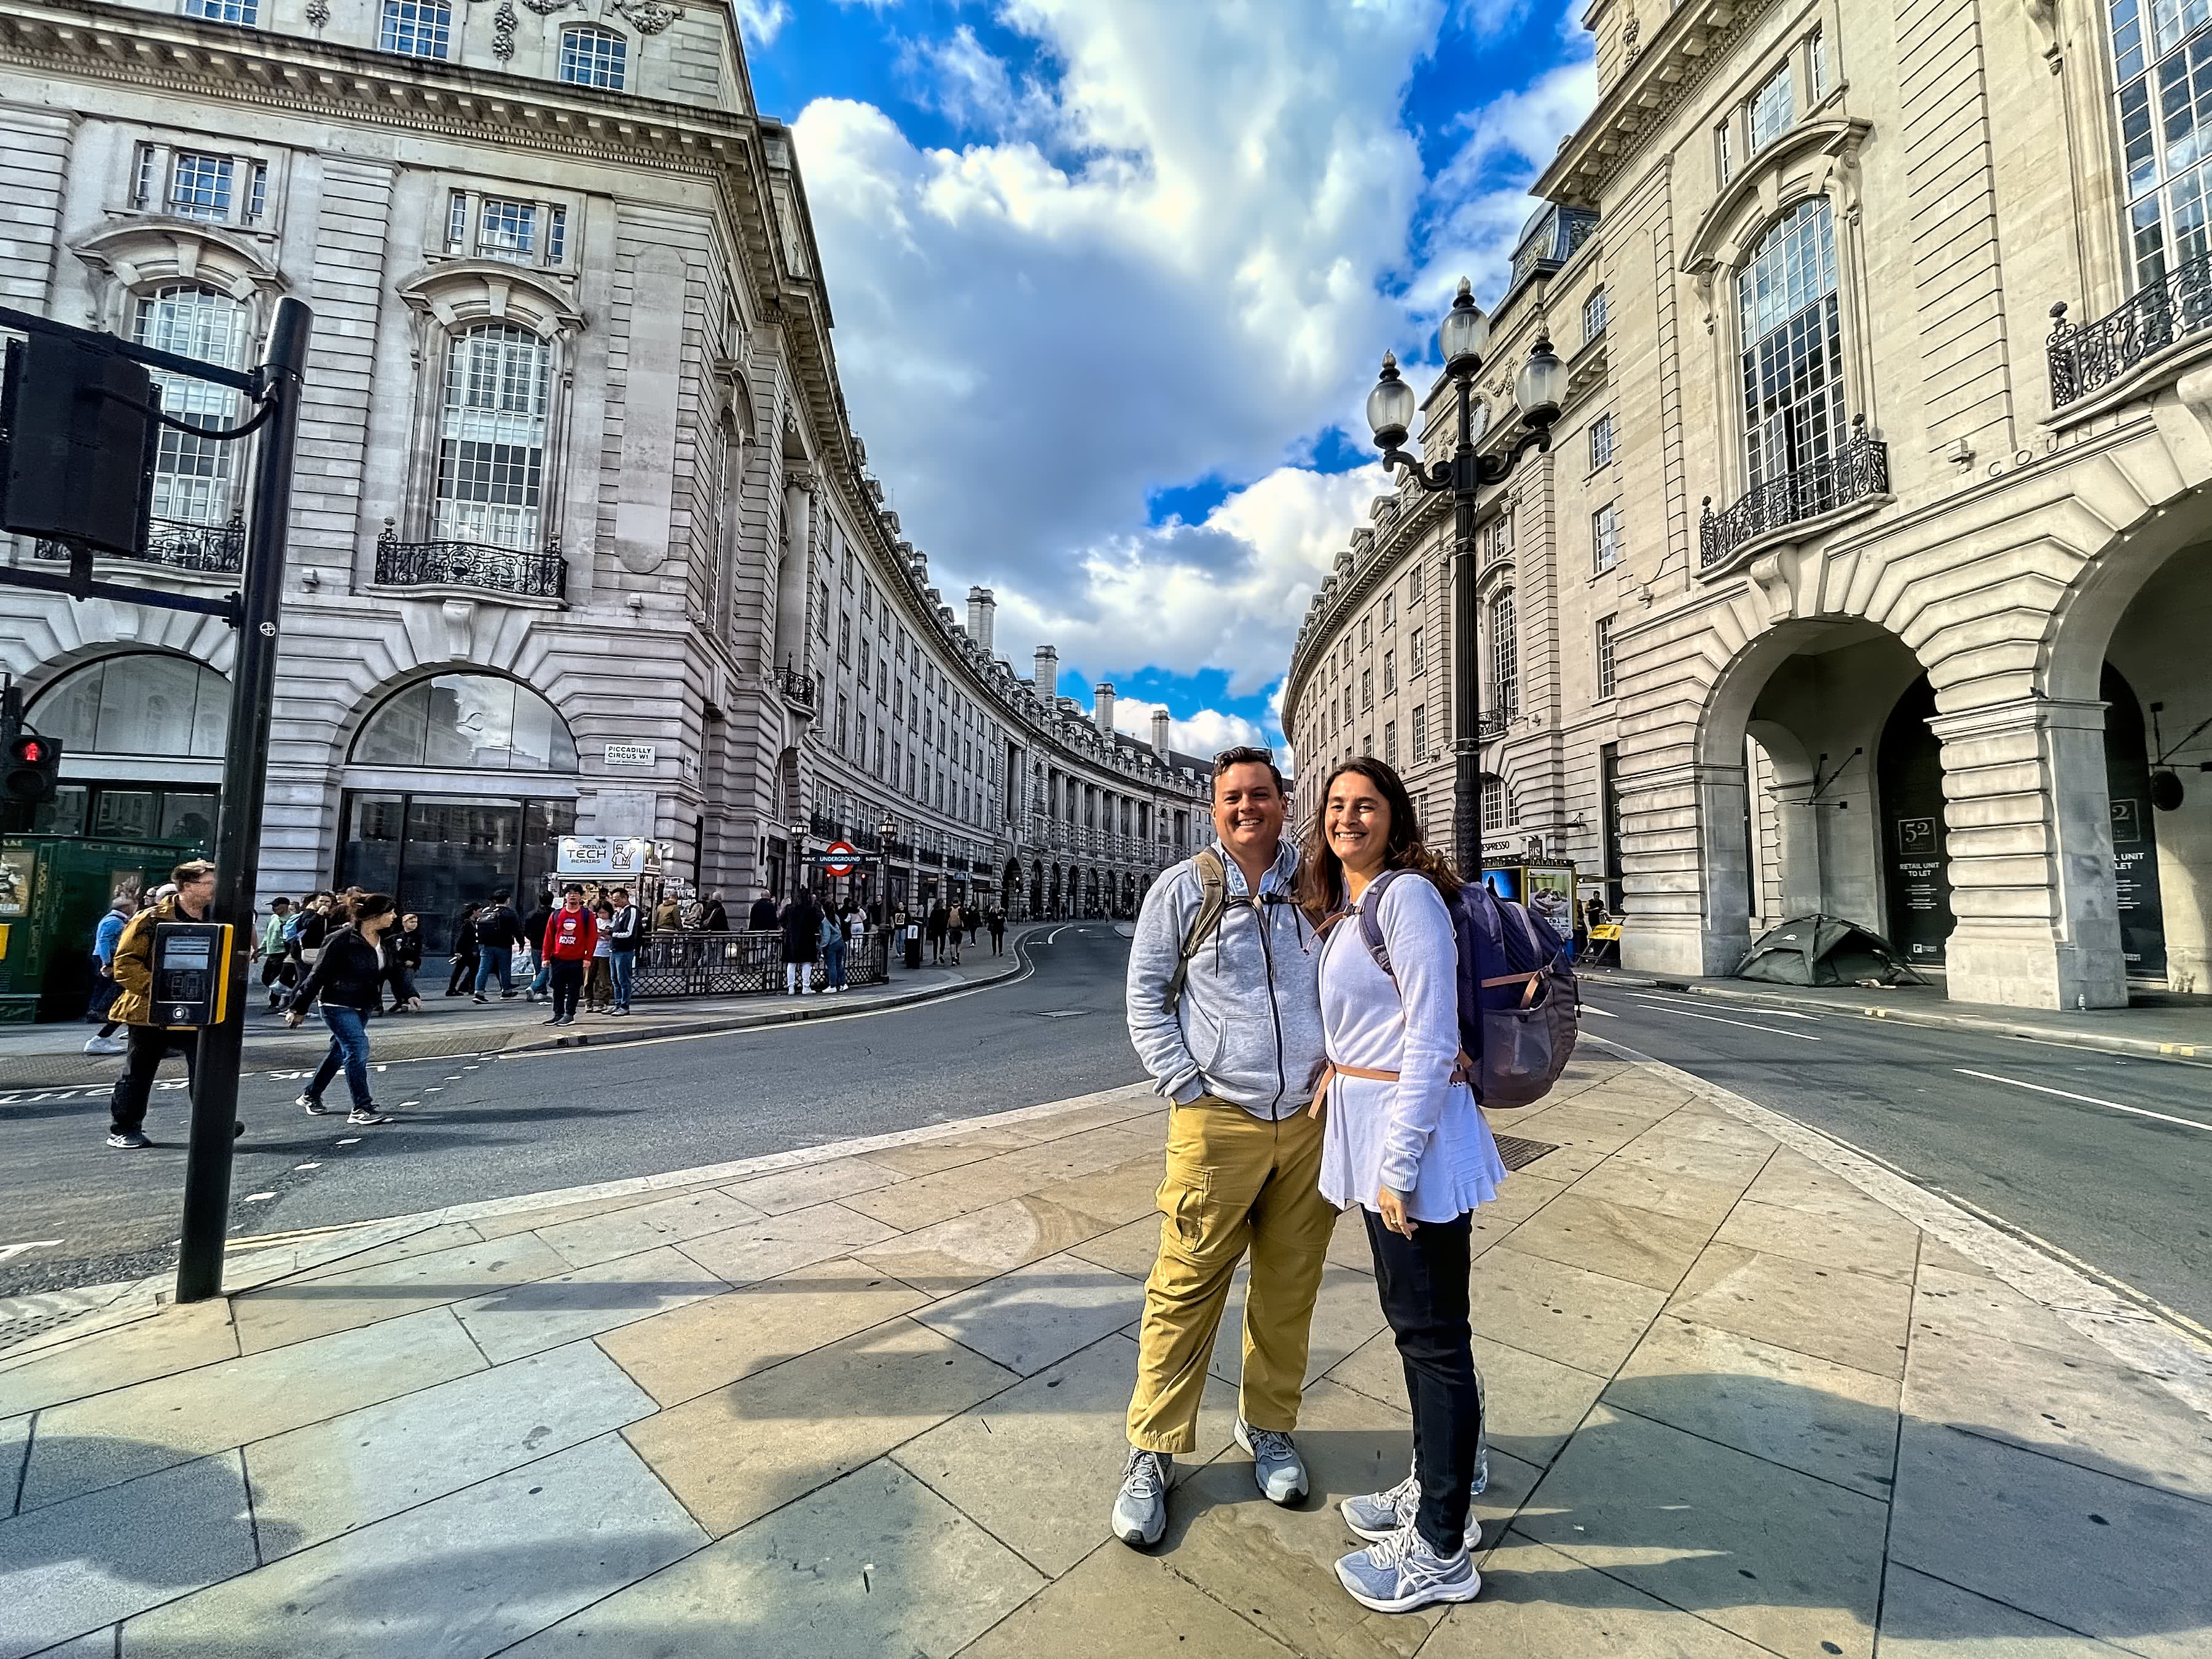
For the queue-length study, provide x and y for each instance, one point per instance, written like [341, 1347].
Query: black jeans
[150, 1045]
[1423, 1281]
[568, 983]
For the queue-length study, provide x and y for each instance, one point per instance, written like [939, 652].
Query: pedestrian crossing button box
[190, 983]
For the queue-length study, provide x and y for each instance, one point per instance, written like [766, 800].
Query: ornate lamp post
[1391, 407]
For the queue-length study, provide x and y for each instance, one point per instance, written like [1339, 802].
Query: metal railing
[541, 575]
[738, 965]
[218, 548]
[795, 686]
[1858, 470]
[2084, 356]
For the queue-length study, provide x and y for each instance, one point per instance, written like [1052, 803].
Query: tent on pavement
[1824, 950]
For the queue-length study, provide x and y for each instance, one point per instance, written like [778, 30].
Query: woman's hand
[1391, 1206]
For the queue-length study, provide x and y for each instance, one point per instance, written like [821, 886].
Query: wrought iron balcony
[797, 688]
[2084, 356]
[1856, 471]
[825, 825]
[217, 549]
[1491, 723]
[542, 575]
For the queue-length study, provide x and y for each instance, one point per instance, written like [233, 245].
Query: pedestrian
[998, 931]
[1405, 1143]
[533, 934]
[405, 944]
[668, 914]
[599, 987]
[764, 917]
[713, 918]
[105, 937]
[465, 956]
[974, 913]
[499, 930]
[269, 948]
[569, 938]
[933, 931]
[1223, 965]
[833, 949]
[191, 891]
[801, 921]
[955, 921]
[348, 981]
[625, 933]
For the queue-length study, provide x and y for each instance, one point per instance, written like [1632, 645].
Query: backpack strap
[1213, 902]
[1370, 919]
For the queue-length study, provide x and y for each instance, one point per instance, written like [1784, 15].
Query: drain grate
[13, 1331]
[1519, 1154]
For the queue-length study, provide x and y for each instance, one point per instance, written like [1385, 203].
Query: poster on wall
[19, 868]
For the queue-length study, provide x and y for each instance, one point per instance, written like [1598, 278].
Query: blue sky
[1111, 278]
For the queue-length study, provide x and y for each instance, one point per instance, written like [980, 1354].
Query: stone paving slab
[1748, 1393]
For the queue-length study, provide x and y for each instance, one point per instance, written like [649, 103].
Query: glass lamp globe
[1465, 333]
[1391, 406]
[1543, 381]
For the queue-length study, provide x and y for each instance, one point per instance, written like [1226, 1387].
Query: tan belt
[1330, 1071]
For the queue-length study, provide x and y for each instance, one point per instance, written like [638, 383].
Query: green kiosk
[53, 891]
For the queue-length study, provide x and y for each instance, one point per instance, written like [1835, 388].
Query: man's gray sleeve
[1155, 1029]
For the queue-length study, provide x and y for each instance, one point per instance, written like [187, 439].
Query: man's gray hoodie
[1248, 1026]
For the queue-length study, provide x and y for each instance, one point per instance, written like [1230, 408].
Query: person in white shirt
[1405, 1140]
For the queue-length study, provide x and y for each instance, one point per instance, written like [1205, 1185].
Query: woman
[833, 950]
[349, 976]
[465, 953]
[599, 991]
[1407, 1142]
[955, 921]
[802, 945]
[407, 957]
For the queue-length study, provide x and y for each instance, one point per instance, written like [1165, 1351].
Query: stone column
[2029, 833]
[1687, 866]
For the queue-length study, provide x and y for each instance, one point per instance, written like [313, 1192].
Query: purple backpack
[1518, 1011]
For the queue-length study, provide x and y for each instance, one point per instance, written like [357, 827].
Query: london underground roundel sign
[838, 858]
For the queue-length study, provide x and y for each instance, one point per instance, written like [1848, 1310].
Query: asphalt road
[2011, 1126]
[475, 1126]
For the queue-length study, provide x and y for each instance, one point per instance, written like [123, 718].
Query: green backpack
[1213, 900]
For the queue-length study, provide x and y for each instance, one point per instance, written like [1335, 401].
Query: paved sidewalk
[1751, 1393]
[49, 1056]
[2176, 1026]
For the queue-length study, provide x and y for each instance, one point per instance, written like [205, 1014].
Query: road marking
[1774, 1030]
[1591, 1007]
[8, 1251]
[258, 1198]
[2087, 1100]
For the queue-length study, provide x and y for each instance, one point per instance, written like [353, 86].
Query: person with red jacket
[570, 937]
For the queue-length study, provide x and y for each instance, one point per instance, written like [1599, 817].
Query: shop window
[141, 704]
[470, 722]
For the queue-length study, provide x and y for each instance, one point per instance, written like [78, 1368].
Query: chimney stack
[1160, 733]
[1047, 675]
[982, 611]
[1102, 709]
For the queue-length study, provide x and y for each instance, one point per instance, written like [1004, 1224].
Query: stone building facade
[581, 537]
[1853, 581]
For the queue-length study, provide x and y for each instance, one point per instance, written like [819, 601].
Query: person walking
[570, 934]
[934, 930]
[599, 985]
[465, 956]
[105, 937]
[974, 916]
[348, 982]
[275, 960]
[998, 931]
[148, 1044]
[833, 949]
[955, 921]
[405, 944]
[1405, 1142]
[499, 930]
[764, 917]
[1223, 966]
[533, 935]
[801, 921]
[712, 917]
[626, 930]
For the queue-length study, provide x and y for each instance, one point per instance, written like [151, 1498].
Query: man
[934, 930]
[1224, 1001]
[150, 1043]
[105, 937]
[570, 938]
[764, 917]
[499, 930]
[275, 964]
[713, 918]
[998, 931]
[625, 932]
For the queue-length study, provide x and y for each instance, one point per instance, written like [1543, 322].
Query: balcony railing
[1855, 472]
[2084, 356]
[797, 688]
[217, 549]
[542, 575]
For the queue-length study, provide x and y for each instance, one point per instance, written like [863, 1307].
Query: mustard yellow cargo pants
[1234, 1182]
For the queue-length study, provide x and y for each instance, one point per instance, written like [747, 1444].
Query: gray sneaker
[1140, 1512]
[1377, 1514]
[1402, 1573]
[1277, 1468]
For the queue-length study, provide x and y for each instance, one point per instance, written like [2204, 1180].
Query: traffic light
[34, 764]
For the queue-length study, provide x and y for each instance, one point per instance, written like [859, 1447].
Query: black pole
[238, 833]
[1467, 658]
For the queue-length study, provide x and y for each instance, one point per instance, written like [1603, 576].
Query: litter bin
[913, 947]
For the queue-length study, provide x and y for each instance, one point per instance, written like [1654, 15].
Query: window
[1593, 315]
[1367, 688]
[1724, 146]
[594, 57]
[199, 185]
[2162, 132]
[1493, 803]
[473, 722]
[1389, 609]
[417, 28]
[1390, 672]
[1816, 65]
[195, 479]
[1420, 735]
[842, 710]
[142, 703]
[242, 12]
[507, 230]
[256, 194]
[1495, 537]
[1604, 656]
[1772, 108]
[1416, 655]
[142, 188]
[491, 438]
[1504, 658]
[1601, 443]
[822, 609]
[1413, 586]
[1366, 632]
[1793, 352]
[457, 223]
[1604, 538]
[556, 236]
[1390, 742]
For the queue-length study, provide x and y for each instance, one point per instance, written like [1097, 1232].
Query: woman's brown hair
[1320, 872]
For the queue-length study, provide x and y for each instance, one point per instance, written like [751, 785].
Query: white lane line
[1772, 1030]
[2087, 1100]
[1592, 1008]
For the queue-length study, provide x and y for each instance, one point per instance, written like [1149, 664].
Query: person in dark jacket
[465, 956]
[405, 946]
[350, 980]
[713, 918]
[533, 935]
[802, 944]
[998, 931]
[626, 930]
[933, 931]
[499, 930]
[764, 917]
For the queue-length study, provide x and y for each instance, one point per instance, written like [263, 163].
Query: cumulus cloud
[1208, 732]
[759, 21]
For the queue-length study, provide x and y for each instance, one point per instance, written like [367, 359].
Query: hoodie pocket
[1203, 1037]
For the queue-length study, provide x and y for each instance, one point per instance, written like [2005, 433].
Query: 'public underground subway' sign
[629, 754]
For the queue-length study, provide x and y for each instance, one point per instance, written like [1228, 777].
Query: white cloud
[759, 21]
[1208, 732]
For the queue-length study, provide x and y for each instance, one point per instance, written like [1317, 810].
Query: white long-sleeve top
[1423, 1135]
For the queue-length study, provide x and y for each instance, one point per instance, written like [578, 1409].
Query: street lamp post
[1462, 338]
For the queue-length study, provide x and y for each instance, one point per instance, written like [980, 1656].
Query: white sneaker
[100, 1045]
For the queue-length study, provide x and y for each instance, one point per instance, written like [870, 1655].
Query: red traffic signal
[33, 769]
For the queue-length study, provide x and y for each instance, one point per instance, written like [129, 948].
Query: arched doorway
[2136, 890]
[1916, 863]
[141, 737]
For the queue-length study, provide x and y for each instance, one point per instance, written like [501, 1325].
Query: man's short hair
[499, 898]
[575, 887]
[191, 870]
[622, 891]
[280, 901]
[1247, 754]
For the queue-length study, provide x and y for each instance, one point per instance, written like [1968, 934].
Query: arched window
[1793, 349]
[195, 479]
[142, 703]
[473, 722]
[491, 438]
[594, 57]
[1504, 659]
